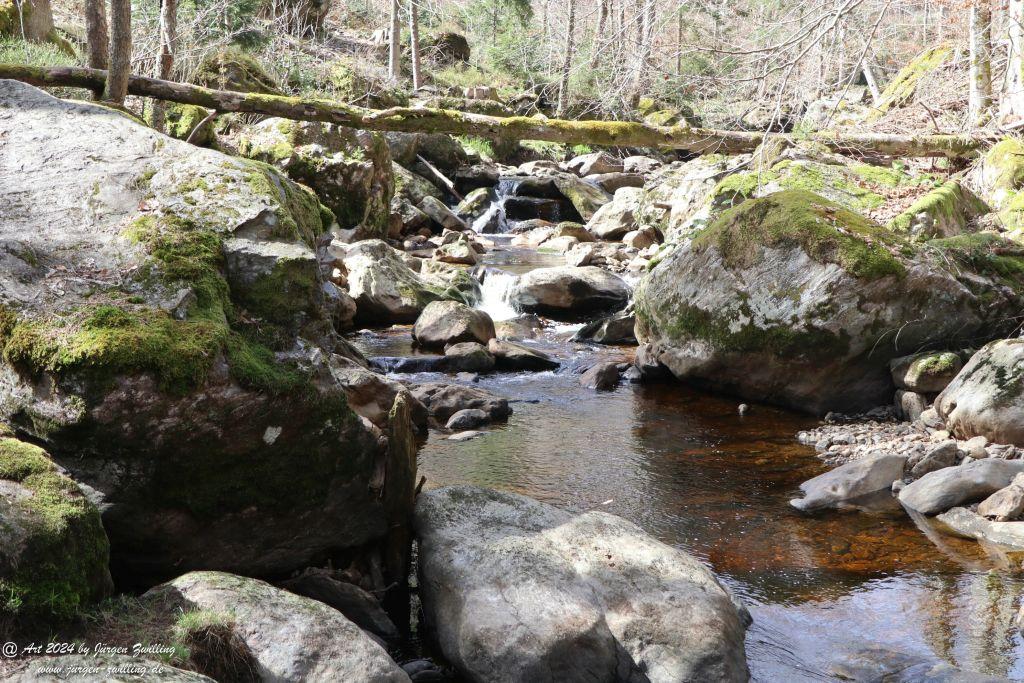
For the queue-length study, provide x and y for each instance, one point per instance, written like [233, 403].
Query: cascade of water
[494, 220]
[496, 294]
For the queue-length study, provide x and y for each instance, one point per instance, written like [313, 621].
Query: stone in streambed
[845, 485]
[566, 292]
[969, 524]
[601, 377]
[357, 605]
[945, 454]
[953, 486]
[451, 322]
[925, 373]
[910, 404]
[615, 329]
[1006, 504]
[469, 357]
[517, 590]
[467, 419]
[512, 357]
[444, 400]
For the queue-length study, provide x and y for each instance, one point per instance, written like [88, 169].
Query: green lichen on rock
[945, 211]
[1004, 164]
[902, 88]
[828, 233]
[984, 253]
[182, 119]
[231, 68]
[60, 563]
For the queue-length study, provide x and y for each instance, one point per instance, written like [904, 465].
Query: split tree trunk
[165, 62]
[981, 62]
[395, 51]
[96, 36]
[563, 85]
[120, 51]
[413, 120]
[414, 40]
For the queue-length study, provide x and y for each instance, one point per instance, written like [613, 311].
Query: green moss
[983, 253]
[948, 207]
[1006, 161]
[936, 364]
[182, 119]
[886, 176]
[828, 233]
[903, 86]
[300, 214]
[231, 68]
[63, 565]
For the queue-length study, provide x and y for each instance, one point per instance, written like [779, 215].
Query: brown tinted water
[688, 469]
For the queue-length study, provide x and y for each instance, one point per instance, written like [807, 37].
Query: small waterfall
[494, 220]
[496, 294]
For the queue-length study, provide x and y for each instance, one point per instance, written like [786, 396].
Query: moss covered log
[601, 133]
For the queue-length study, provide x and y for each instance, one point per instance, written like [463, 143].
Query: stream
[690, 470]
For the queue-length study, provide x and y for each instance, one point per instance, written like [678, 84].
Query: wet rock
[875, 664]
[460, 251]
[410, 364]
[290, 637]
[575, 230]
[593, 163]
[358, 606]
[444, 400]
[848, 484]
[970, 524]
[617, 217]
[946, 454]
[952, 486]
[592, 607]
[469, 357]
[567, 292]
[465, 436]
[615, 329]
[818, 350]
[512, 357]
[54, 552]
[925, 373]
[467, 419]
[451, 322]
[441, 214]
[1006, 504]
[601, 377]
[371, 394]
[424, 671]
[987, 397]
[474, 205]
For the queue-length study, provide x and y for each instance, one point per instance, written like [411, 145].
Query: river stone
[189, 431]
[353, 602]
[517, 590]
[616, 218]
[756, 307]
[458, 251]
[945, 454]
[469, 357]
[952, 486]
[467, 419]
[848, 483]
[910, 405]
[350, 170]
[372, 394]
[413, 187]
[292, 638]
[987, 397]
[568, 292]
[104, 668]
[441, 214]
[510, 356]
[877, 664]
[595, 162]
[1006, 504]
[451, 322]
[613, 182]
[444, 400]
[615, 329]
[53, 550]
[601, 377]
[925, 373]
[972, 525]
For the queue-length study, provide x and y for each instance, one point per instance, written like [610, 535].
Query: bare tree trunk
[414, 41]
[869, 78]
[563, 85]
[96, 36]
[414, 119]
[165, 63]
[602, 22]
[120, 50]
[1011, 107]
[679, 41]
[981, 62]
[395, 51]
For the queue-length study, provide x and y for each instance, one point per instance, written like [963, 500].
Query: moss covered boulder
[904, 85]
[796, 300]
[948, 210]
[181, 120]
[351, 171]
[232, 68]
[164, 333]
[986, 398]
[1000, 175]
[54, 553]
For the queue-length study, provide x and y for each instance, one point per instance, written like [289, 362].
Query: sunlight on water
[496, 294]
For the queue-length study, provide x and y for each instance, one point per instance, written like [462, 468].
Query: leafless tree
[120, 51]
[395, 49]
[414, 42]
[165, 61]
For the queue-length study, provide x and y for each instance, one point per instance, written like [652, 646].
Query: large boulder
[444, 400]
[164, 334]
[451, 322]
[850, 484]
[986, 398]
[517, 590]
[616, 218]
[926, 373]
[949, 487]
[53, 550]
[386, 290]
[570, 292]
[288, 637]
[792, 299]
[349, 170]
[231, 68]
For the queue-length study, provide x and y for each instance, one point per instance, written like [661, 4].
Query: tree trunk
[981, 62]
[97, 38]
[1011, 106]
[414, 42]
[602, 22]
[395, 51]
[165, 62]
[120, 51]
[413, 120]
[869, 78]
[563, 85]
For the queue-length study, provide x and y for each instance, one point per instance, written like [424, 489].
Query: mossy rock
[946, 211]
[903, 87]
[447, 47]
[54, 553]
[182, 119]
[1001, 177]
[231, 68]
[355, 83]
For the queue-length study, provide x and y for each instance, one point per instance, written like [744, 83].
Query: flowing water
[687, 468]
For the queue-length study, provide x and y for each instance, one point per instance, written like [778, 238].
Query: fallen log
[423, 120]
